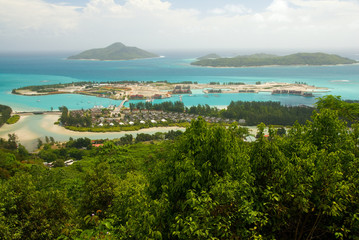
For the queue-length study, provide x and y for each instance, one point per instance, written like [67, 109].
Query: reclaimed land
[128, 90]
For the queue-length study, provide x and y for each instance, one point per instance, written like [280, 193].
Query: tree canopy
[207, 183]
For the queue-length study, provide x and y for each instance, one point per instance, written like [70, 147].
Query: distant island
[209, 56]
[257, 60]
[116, 51]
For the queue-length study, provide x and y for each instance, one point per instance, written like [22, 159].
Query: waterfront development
[161, 90]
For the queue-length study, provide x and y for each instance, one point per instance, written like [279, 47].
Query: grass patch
[13, 119]
[125, 128]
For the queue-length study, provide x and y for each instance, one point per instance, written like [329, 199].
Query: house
[97, 144]
[69, 162]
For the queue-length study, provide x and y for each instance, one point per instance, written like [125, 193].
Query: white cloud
[231, 9]
[150, 24]
[35, 15]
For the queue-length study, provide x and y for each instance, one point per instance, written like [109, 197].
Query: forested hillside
[208, 183]
[256, 60]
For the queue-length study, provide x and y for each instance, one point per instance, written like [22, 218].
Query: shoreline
[164, 90]
[49, 120]
[119, 60]
[269, 66]
[43, 125]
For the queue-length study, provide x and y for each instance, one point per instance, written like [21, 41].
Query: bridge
[118, 109]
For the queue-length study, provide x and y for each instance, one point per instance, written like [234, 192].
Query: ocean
[18, 70]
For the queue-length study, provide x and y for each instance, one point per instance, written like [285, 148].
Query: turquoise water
[23, 70]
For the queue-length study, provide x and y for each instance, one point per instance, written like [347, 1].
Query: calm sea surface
[23, 70]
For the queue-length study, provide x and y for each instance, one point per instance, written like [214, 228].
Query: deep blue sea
[37, 69]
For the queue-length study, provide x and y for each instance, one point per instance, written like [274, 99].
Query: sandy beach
[22, 131]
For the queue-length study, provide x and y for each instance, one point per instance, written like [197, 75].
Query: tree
[39, 143]
[347, 110]
[64, 115]
[12, 141]
[99, 189]
[132, 106]
[202, 178]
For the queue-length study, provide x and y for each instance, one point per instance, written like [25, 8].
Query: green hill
[209, 56]
[116, 51]
[258, 55]
[267, 60]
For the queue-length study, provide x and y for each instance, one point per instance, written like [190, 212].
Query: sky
[74, 25]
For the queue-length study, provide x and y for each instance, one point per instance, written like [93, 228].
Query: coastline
[166, 90]
[119, 60]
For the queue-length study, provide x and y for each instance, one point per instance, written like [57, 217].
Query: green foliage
[346, 109]
[99, 189]
[28, 212]
[256, 112]
[164, 106]
[5, 113]
[13, 119]
[208, 183]
[79, 143]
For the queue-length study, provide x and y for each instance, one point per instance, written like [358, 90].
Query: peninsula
[259, 60]
[116, 51]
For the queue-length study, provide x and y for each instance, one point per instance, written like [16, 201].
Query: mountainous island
[261, 59]
[116, 51]
[209, 56]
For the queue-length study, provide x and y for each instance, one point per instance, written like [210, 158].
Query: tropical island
[258, 60]
[134, 90]
[209, 56]
[116, 51]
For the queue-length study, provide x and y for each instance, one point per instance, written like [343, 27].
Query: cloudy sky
[43, 25]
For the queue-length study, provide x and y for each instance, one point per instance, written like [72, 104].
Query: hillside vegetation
[268, 60]
[5, 113]
[209, 56]
[207, 183]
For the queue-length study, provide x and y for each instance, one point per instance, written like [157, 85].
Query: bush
[13, 119]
